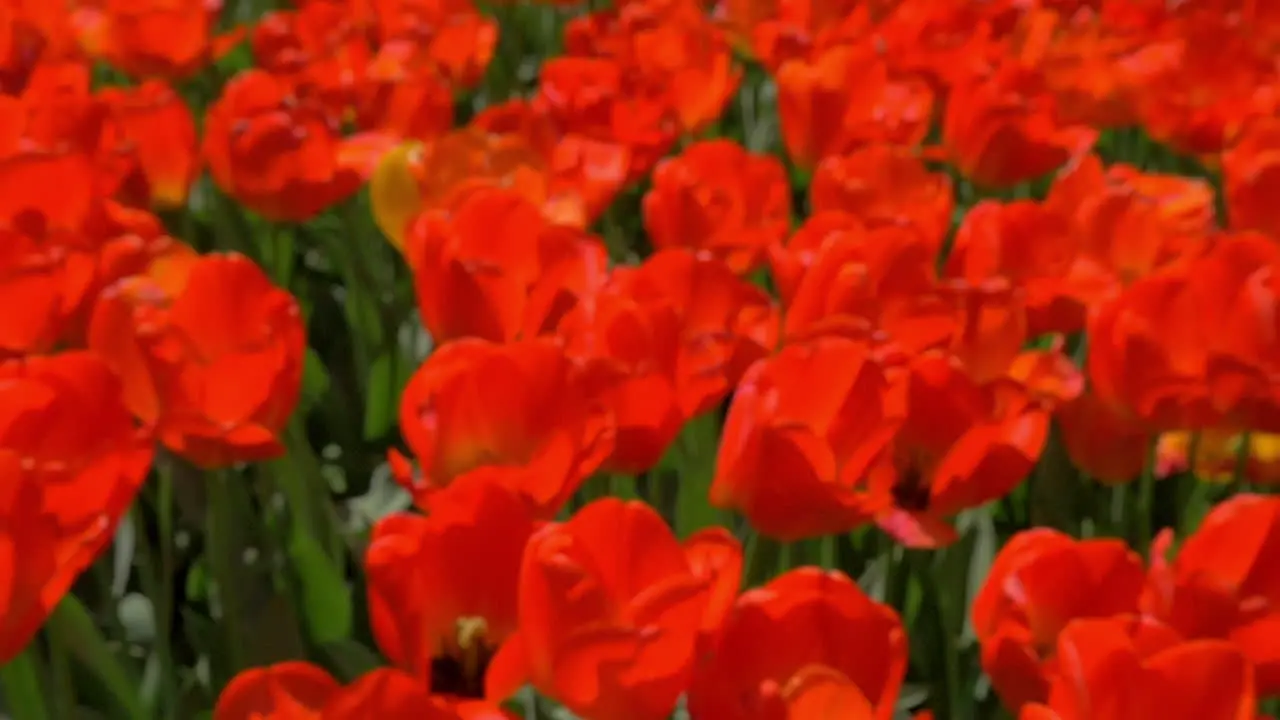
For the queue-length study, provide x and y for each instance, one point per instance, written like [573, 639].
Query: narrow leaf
[326, 599]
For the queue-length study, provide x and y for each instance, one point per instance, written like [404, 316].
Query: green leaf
[73, 629]
[256, 622]
[912, 697]
[315, 379]
[983, 553]
[874, 579]
[226, 540]
[951, 566]
[306, 483]
[20, 681]
[1198, 497]
[326, 599]
[1054, 489]
[380, 403]
[282, 250]
[693, 456]
[238, 58]
[349, 659]
[763, 558]
[122, 550]
[197, 584]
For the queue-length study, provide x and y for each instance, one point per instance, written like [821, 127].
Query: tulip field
[639, 360]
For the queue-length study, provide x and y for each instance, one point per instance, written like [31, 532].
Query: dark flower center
[460, 669]
[910, 492]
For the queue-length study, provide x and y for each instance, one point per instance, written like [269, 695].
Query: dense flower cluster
[947, 273]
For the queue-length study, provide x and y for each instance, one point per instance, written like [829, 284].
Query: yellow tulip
[395, 193]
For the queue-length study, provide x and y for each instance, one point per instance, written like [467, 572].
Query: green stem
[762, 562]
[361, 275]
[158, 584]
[64, 695]
[827, 552]
[897, 577]
[955, 696]
[73, 630]
[290, 478]
[786, 556]
[302, 482]
[1116, 497]
[750, 547]
[21, 683]
[1191, 490]
[658, 488]
[282, 253]
[231, 232]
[224, 563]
[1144, 509]
[695, 458]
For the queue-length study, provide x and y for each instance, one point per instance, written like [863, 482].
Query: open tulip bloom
[644, 360]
